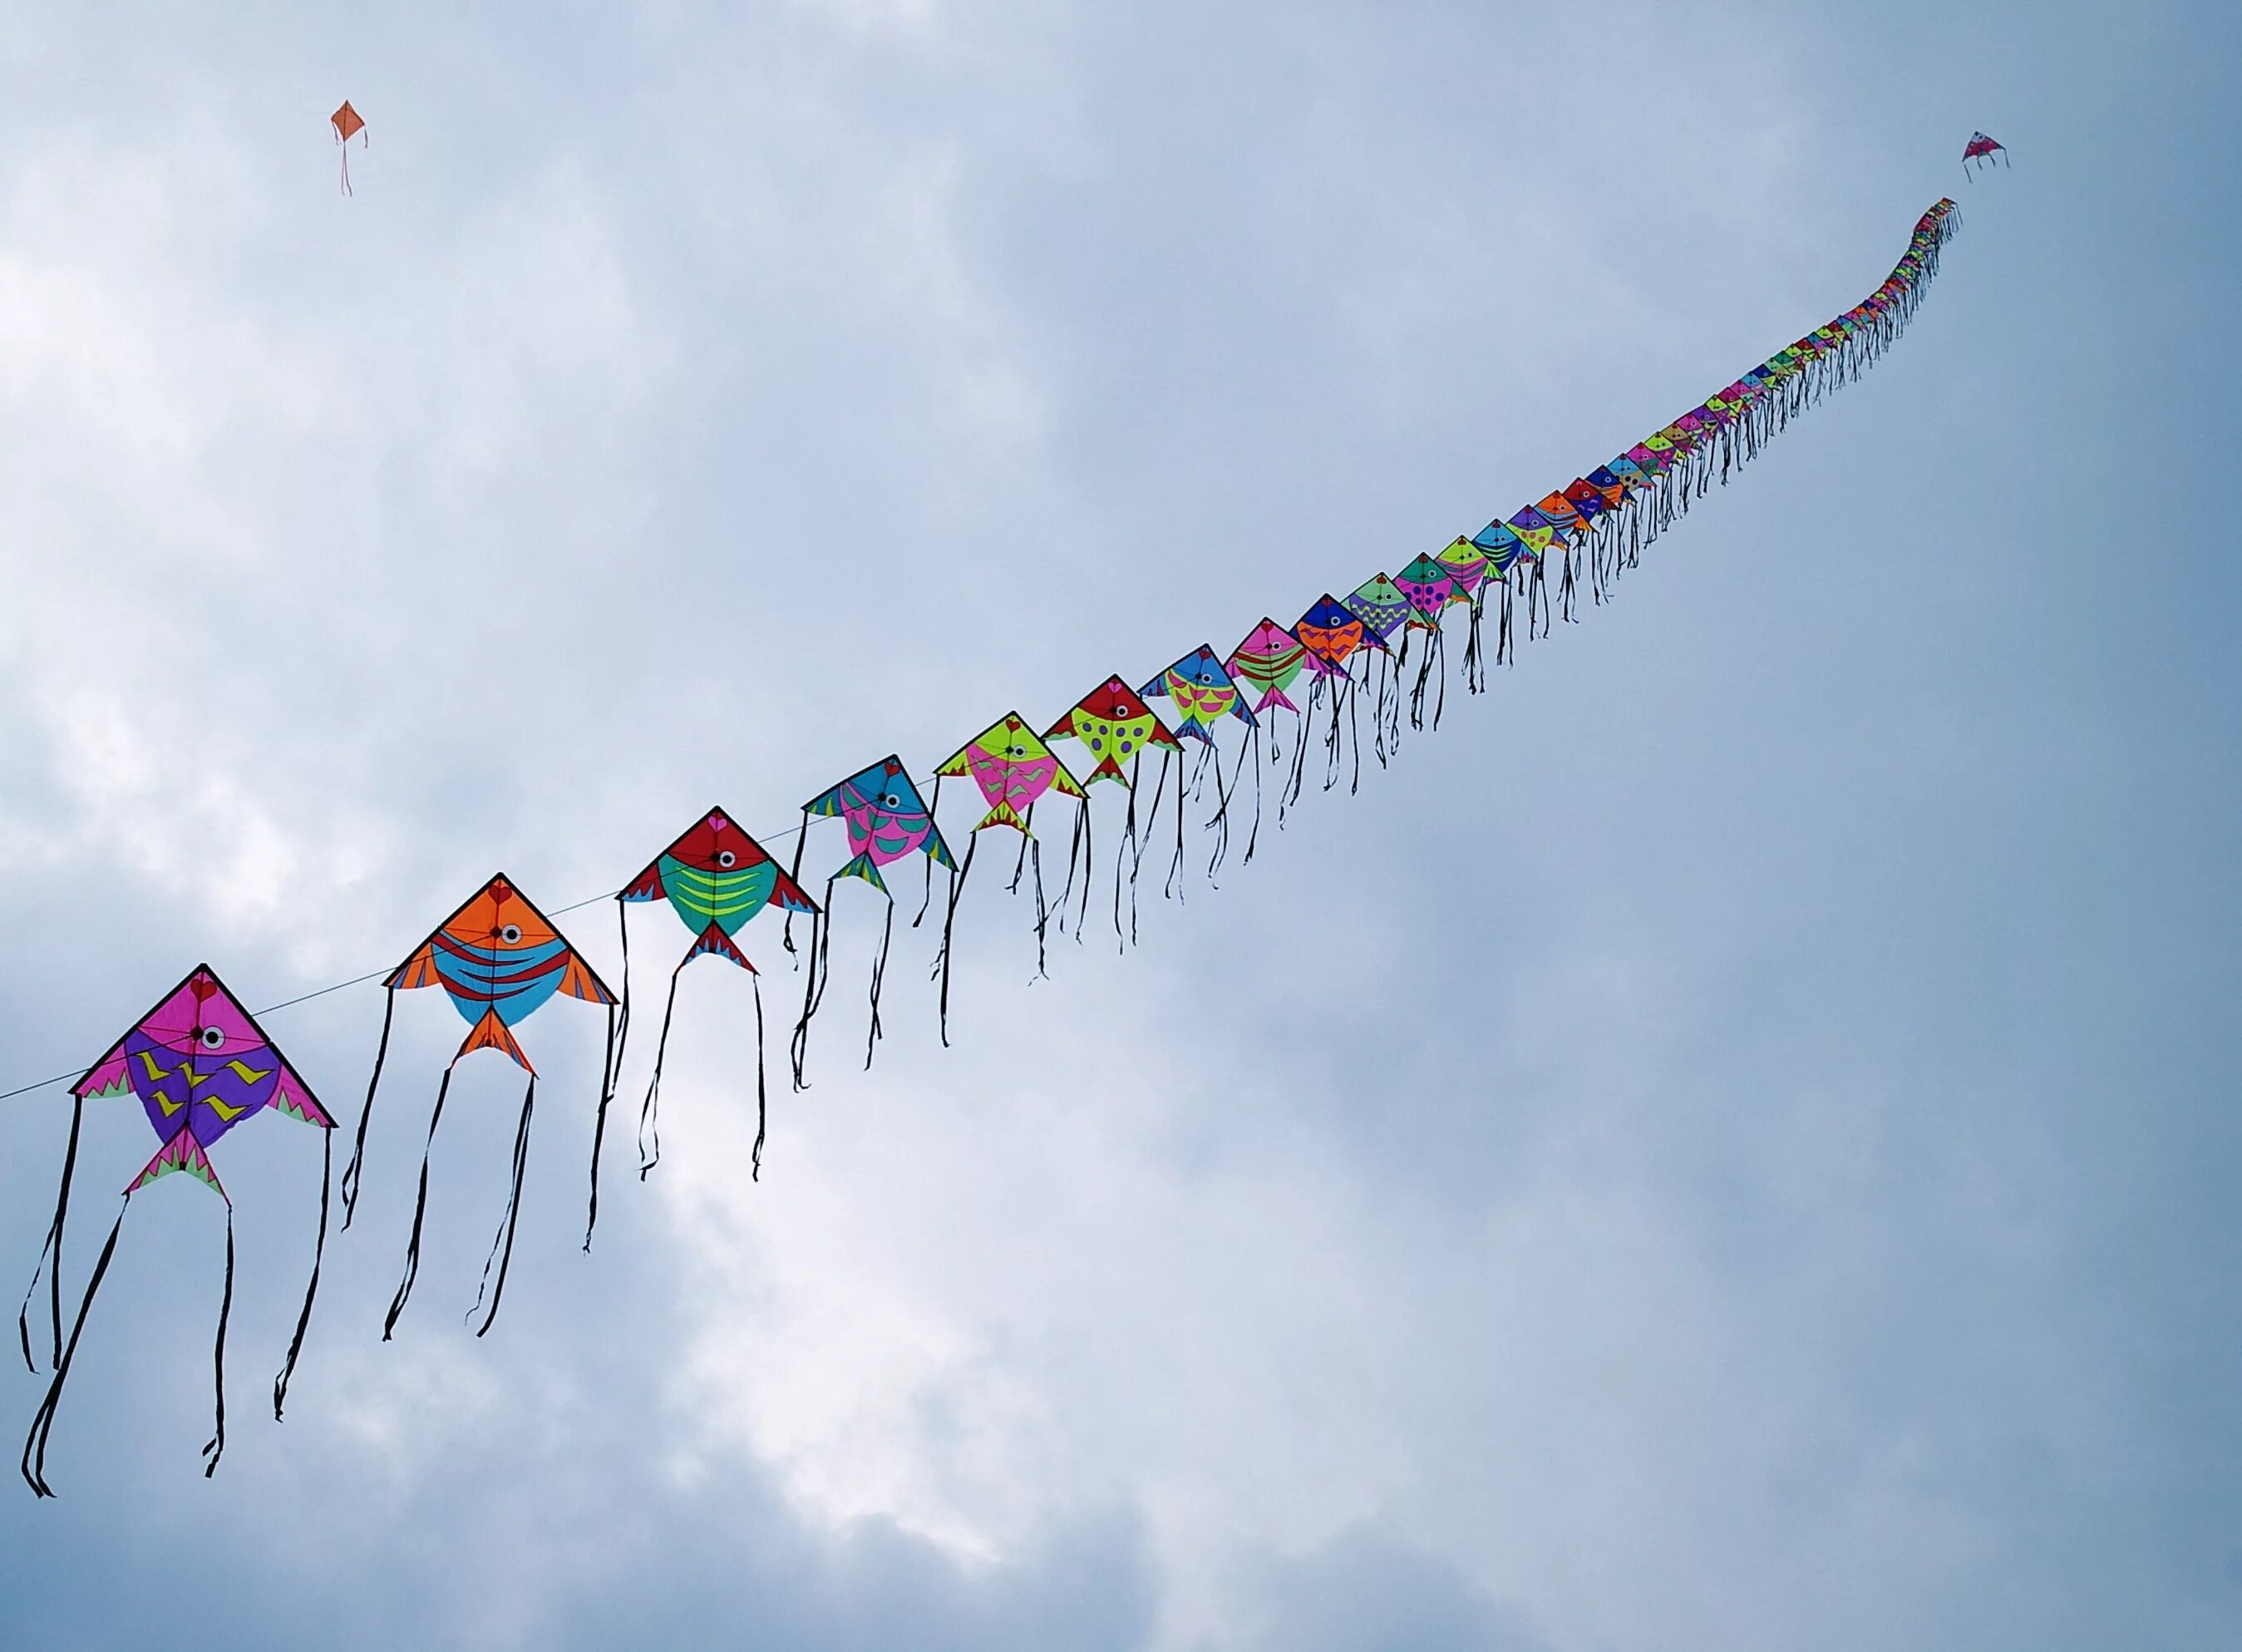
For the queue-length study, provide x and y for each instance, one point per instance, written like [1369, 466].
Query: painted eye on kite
[211, 1039]
[510, 934]
[726, 859]
[892, 801]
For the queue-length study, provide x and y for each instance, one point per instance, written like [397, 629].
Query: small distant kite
[348, 124]
[1981, 148]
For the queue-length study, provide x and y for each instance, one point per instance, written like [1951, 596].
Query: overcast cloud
[1729, 1144]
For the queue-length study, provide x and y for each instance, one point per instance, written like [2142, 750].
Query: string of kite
[200, 1063]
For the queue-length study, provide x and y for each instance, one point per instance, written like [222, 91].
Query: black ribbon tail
[311, 1288]
[366, 1113]
[419, 1211]
[51, 1253]
[611, 1071]
[502, 1242]
[762, 1094]
[43, 1423]
[649, 1112]
[948, 928]
[872, 1032]
[215, 1449]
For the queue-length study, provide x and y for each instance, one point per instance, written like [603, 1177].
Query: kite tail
[949, 927]
[612, 1069]
[1440, 698]
[1089, 865]
[53, 1248]
[1121, 854]
[1043, 912]
[1289, 792]
[926, 900]
[1378, 714]
[43, 1423]
[1169, 889]
[1219, 825]
[762, 1094]
[1331, 741]
[1254, 836]
[366, 1113]
[821, 924]
[1073, 853]
[312, 1289]
[505, 1235]
[1472, 682]
[1151, 819]
[1568, 582]
[649, 1112]
[1354, 733]
[793, 872]
[1027, 836]
[215, 1448]
[419, 1212]
[872, 1033]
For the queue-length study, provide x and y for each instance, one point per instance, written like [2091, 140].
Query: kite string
[356, 980]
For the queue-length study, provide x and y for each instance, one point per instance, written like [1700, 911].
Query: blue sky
[1728, 1145]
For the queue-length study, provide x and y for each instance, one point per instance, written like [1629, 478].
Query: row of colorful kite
[200, 1063]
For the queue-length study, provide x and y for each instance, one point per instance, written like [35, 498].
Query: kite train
[200, 1063]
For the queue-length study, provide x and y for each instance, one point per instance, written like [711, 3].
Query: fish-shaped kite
[1114, 725]
[1013, 768]
[715, 877]
[1202, 692]
[201, 1064]
[498, 959]
[886, 821]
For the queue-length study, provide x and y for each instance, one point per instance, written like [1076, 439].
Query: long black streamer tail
[821, 939]
[502, 1241]
[358, 1147]
[618, 1040]
[794, 871]
[1254, 836]
[312, 1289]
[872, 1033]
[933, 810]
[949, 930]
[52, 1251]
[611, 1067]
[1043, 912]
[42, 1422]
[1220, 824]
[1151, 819]
[1354, 734]
[1474, 682]
[1169, 890]
[763, 1093]
[1378, 714]
[215, 1448]
[649, 1110]
[1440, 700]
[419, 1212]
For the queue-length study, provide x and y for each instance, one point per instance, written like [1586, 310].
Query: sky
[1730, 1143]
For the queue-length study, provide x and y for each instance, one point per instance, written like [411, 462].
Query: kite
[1429, 585]
[347, 125]
[1012, 767]
[1467, 569]
[201, 1064]
[1981, 148]
[1332, 634]
[1202, 691]
[1378, 602]
[886, 820]
[715, 877]
[1115, 725]
[1270, 660]
[498, 958]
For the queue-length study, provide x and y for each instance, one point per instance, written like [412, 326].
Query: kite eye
[726, 859]
[211, 1039]
[510, 934]
[892, 801]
